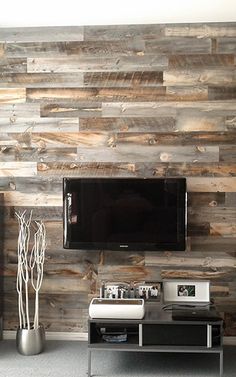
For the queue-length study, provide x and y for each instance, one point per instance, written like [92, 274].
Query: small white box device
[119, 308]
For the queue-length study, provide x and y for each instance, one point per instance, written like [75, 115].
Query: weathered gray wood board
[119, 101]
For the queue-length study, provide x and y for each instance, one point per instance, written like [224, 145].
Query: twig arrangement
[30, 268]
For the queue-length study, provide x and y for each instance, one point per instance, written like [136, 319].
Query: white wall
[105, 12]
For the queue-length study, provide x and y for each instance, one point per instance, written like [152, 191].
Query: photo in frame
[116, 290]
[175, 291]
[149, 291]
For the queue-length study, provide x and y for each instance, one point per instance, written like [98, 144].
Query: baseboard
[229, 340]
[9, 335]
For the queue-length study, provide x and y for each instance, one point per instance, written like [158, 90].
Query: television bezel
[180, 245]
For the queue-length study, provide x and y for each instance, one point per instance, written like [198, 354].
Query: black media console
[157, 332]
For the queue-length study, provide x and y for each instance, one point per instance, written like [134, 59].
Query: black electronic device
[124, 213]
[196, 314]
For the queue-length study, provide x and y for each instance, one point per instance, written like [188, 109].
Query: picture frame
[150, 291]
[182, 291]
[116, 290]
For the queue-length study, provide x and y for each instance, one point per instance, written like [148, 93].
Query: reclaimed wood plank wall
[140, 100]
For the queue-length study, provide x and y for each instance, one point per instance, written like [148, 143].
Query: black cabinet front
[174, 335]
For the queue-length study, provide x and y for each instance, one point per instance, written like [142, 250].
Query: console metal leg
[221, 363]
[89, 363]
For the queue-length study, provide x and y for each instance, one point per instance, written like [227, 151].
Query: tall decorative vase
[30, 342]
[30, 337]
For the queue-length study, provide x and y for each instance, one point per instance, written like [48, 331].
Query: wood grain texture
[41, 80]
[119, 101]
[39, 34]
[201, 61]
[32, 125]
[142, 124]
[12, 95]
[81, 48]
[12, 65]
[141, 62]
[201, 30]
[207, 76]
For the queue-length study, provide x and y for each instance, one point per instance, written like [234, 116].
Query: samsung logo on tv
[124, 245]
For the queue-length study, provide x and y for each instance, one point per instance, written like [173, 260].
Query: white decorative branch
[30, 268]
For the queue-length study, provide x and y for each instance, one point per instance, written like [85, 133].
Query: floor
[69, 359]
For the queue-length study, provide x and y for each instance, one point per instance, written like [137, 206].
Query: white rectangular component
[178, 291]
[119, 308]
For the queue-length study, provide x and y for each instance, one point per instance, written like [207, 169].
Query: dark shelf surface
[153, 314]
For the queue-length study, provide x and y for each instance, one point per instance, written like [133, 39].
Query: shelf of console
[137, 348]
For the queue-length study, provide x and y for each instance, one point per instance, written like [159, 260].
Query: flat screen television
[124, 213]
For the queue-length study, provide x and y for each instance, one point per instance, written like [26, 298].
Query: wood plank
[189, 76]
[214, 244]
[22, 199]
[222, 92]
[204, 184]
[148, 62]
[212, 214]
[79, 109]
[151, 109]
[207, 61]
[122, 153]
[230, 199]
[32, 125]
[46, 214]
[196, 260]
[192, 121]
[142, 124]
[42, 34]
[95, 94]
[178, 45]
[79, 48]
[123, 79]
[13, 65]
[208, 199]
[41, 80]
[177, 138]
[53, 303]
[199, 228]
[11, 150]
[53, 286]
[33, 183]
[210, 169]
[223, 229]
[54, 230]
[62, 139]
[1, 50]
[18, 169]
[228, 153]
[201, 30]
[128, 273]
[178, 93]
[204, 273]
[54, 254]
[22, 110]
[227, 45]
[12, 95]
[85, 169]
[141, 169]
[122, 32]
[65, 325]
[231, 122]
[113, 258]
[6, 142]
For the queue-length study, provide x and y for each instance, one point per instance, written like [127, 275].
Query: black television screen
[124, 213]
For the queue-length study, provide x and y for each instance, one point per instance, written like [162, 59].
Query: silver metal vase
[30, 342]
